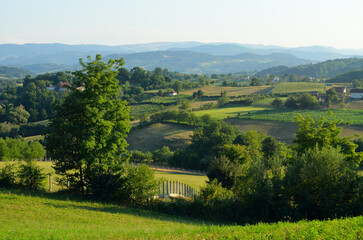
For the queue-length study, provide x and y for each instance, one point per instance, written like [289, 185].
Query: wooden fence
[176, 189]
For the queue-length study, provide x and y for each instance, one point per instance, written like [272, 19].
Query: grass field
[34, 138]
[138, 110]
[231, 91]
[357, 105]
[33, 216]
[229, 110]
[288, 115]
[282, 131]
[298, 87]
[157, 135]
[172, 99]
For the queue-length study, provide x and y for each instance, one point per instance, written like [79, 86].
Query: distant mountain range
[189, 57]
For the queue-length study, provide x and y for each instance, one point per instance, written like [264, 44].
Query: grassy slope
[297, 87]
[49, 217]
[231, 91]
[157, 135]
[282, 131]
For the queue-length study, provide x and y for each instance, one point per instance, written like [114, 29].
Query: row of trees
[17, 149]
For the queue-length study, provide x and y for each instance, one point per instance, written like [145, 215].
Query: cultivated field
[33, 216]
[282, 131]
[288, 115]
[230, 110]
[158, 135]
[231, 91]
[298, 87]
[357, 105]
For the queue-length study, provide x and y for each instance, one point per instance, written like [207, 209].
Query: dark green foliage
[277, 103]
[324, 134]
[139, 157]
[224, 171]
[17, 149]
[348, 77]
[162, 155]
[7, 176]
[87, 133]
[30, 176]
[320, 184]
[198, 94]
[137, 185]
[304, 101]
[332, 96]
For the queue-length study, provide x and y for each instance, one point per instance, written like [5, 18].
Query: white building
[356, 93]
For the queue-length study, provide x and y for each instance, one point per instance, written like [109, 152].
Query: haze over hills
[188, 57]
[326, 69]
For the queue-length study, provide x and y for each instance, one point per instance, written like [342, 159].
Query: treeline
[253, 177]
[17, 149]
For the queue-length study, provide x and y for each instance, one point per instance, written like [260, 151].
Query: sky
[289, 23]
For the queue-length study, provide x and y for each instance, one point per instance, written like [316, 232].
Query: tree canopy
[87, 134]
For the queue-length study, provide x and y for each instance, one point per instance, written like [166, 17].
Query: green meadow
[298, 87]
[31, 216]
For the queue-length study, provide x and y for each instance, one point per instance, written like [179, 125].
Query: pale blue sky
[337, 23]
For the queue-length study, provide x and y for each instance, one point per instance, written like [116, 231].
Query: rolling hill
[327, 69]
[13, 72]
[347, 77]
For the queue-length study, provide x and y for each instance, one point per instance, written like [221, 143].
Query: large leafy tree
[87, 134]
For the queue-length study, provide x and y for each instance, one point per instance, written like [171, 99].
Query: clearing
[231, 91]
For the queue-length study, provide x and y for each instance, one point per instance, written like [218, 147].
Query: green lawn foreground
[49, 216]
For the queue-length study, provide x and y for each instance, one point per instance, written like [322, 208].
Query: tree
[324, 134]
[18, 115]
[277, 103]
[87, 134]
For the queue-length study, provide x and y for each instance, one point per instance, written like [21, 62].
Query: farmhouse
[356, 93]
[173, 93]
[340, 90]
[61, 86]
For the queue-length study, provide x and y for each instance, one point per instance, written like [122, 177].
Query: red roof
[62, 84]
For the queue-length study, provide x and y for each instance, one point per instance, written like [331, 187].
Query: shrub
[137, 185]
[30, 176]
[7, 176]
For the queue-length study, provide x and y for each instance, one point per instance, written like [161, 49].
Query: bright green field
[47, 216]
[228, 111]
[195, 181]
[288, 115]
[297, 87]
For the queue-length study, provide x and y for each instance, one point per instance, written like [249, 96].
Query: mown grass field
[298, 87]
[33, 216]
[230, 110]
[231, 91]
[158, 135]
[288, 115]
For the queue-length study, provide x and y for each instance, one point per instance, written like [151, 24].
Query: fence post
[163, 189]
[50, 182]
[167, 185]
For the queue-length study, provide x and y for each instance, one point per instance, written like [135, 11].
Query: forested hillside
[347, 77]
[13, 72]
[327, 69]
